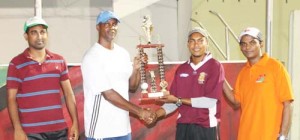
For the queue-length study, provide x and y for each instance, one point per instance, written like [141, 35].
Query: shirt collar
[207, 56]
[27, 55]
[262, 62]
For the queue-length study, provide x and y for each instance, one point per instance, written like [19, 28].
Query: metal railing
[227, 31]
[212, 40]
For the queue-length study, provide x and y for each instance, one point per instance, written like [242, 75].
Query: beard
[38, 45]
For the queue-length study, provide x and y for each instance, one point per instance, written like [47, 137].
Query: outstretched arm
[229, 94]
[198, 102]
[166, 109]
[116, 99]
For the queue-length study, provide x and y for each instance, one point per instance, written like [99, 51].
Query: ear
[261, 44]
[98, 27]
[25, 36]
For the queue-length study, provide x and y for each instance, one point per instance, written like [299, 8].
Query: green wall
[243, 13]
[3, 71]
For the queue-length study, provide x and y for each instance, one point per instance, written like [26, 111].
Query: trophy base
[152, 95]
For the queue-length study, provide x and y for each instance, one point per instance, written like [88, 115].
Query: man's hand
[148, 116]
[168, 98]
[20, 135]
[138, 59]
[74, 132]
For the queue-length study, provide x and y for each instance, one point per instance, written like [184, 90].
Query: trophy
[151, 92]
[147, 27]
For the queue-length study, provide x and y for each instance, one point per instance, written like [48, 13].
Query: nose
[248, 46]
[39, 35]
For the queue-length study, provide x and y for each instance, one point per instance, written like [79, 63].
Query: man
[262, 91]
[196, 91]
[34, 80]
[108, 76]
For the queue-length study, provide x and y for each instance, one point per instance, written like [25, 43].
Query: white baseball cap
[33, 22]
[252, 31]
[199, 30]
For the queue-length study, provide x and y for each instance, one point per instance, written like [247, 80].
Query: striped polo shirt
[38, 98]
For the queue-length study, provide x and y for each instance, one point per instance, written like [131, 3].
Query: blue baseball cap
[104, 16]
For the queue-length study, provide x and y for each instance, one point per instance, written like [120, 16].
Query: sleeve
[283, 85]
[95, 78]
[13, 79]
[203, 102]
[64, 74]
[169, 108]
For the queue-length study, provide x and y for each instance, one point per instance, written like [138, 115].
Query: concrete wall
[72, 26]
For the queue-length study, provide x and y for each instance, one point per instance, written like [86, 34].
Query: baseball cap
[198, 30]
[33, 22]
[252, 31]
[104, 16]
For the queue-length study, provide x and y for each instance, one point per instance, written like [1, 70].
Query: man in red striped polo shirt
[34, 82]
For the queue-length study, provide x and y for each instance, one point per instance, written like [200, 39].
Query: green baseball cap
[33, 22]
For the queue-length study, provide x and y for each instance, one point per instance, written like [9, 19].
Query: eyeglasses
[251, 44]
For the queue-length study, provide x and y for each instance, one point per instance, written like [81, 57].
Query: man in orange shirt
[262, 91]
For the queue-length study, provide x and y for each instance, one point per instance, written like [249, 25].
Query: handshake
[147, 115]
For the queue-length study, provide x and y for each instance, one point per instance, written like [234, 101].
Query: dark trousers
[54, 135]
[195, 132]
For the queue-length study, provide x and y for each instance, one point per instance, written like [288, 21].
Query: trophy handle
[144, 84]
[160, 58]
[154, 93]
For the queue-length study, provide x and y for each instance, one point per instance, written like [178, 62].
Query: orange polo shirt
[261, 90]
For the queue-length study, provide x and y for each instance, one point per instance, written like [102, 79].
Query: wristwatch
[179, 102]
[282, 137]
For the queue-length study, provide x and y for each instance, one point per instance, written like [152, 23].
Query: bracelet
[179, 102]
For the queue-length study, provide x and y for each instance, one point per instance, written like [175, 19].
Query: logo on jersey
[261, 78]
[201, 78]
